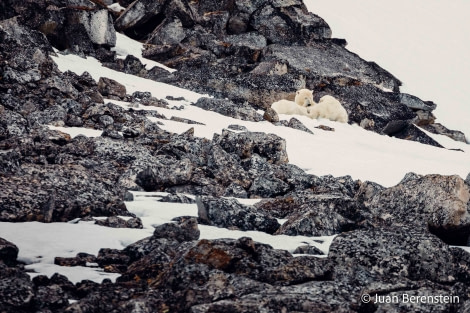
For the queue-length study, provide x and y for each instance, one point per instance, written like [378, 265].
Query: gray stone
[230, 213]
[435, 202]
[269, 146]
[416, 103]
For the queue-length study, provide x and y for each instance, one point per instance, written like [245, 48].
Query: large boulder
[8, 252]
[436, 203]
[245, 144]
[391, 255]
[229, 213]
[69, 25]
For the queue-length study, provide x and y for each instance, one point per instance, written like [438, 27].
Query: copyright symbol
[365, 298]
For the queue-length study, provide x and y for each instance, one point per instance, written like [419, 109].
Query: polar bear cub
[289, 107]
[330, 108]
[304, 97]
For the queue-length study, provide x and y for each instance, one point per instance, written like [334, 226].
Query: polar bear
[304, 97]
[330, 108]
[289, 107]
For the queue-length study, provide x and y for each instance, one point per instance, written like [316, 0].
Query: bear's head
[304, 97]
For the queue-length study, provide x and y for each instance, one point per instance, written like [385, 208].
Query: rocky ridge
[390, 240]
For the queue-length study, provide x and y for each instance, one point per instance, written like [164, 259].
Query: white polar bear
[304, 97]
[330, 108]
[289, 107]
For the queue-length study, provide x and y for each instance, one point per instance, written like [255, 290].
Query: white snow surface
[349, 150]
[424, 43]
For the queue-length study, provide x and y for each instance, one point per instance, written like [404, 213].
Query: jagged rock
[242, 257]
[140, 15]
[424, 118]
[281, 22]
[322, 296]
[147, 267]
[109, 87]
[81, 259]
[185, 230]
[307, 249]
[177, 198]
[439, 129]
[296, 124]
[320, 215]
[269, 146]
[435, 202]
[406, 130]
[76, 25]
[226, 168]
[390, 255]
[270, 115]
[16, 290]
[228, 108]
[236, 191]
[53, 193]
[169, 32]
[117, 222]
[166, 173]
[8, 252]
[112, 260]
[230, 213]
[416, 103]
[99, 27]
[267, 187]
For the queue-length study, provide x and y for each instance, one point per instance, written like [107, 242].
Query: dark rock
[169, 32]
[81, 259]
[416, 103]
[408, 131]
[185, 230]
[109, 87]
[237, 127]
[16, 290]
[143, 247]
[326, 128]
[296, 124]
[236, 191]
[228, 108]
[184, 120]
[390, 255]
[51, 297]
[268, 187]
[166, 173]
[230, 213]
[308, 249]
[52, 193]
[238, 267]
[75, 26]
[117, 222]
[439, 129]
[134, 66]
[320, 215]
[424, 118]
[111, 133]
[177, 198]
[8, 252]
[287, 23]
[140, 18]
[433, 202]
[112, 260]
[269, 146]
[148, 267]
[270, 115]
[226, 168]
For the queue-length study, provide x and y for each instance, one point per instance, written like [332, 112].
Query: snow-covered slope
[422, 42]
[348, 150]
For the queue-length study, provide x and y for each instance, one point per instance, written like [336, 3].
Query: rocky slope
[391, 241]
